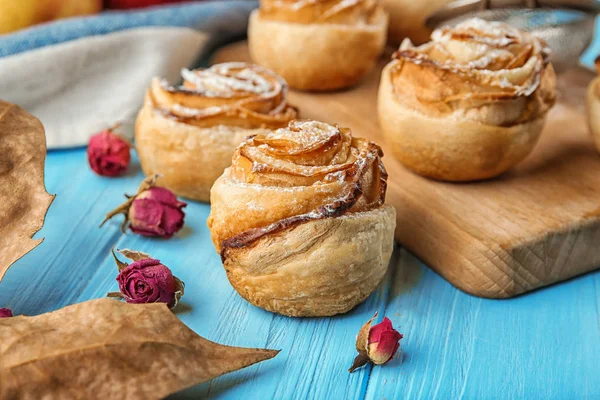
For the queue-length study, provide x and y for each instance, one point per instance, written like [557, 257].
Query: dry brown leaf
[120, 264]
[106, 349]
[24, 200]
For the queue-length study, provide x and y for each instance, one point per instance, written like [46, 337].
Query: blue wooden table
[544, 345]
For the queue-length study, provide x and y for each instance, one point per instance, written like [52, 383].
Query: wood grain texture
[533, 226]
[537, 346]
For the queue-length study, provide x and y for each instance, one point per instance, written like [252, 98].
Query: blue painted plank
[544, 345]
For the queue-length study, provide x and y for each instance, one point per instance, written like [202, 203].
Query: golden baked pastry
[300, 221]
[188, 133]
[318, 44]
[469, 104]
[407, 18]
[593, 106]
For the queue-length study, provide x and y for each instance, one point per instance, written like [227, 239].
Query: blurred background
[81, 65]
[19, 14]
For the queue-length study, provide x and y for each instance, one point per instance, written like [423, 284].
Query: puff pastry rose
[593, 106]
[187, 133]
[300, 221]
[318, 44]
[469, 104]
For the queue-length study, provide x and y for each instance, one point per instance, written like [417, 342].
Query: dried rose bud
[156, 212]
[108, 153]
[146, 280]
[384, 341]
[5, 313]
[153, 211]
[376, 344]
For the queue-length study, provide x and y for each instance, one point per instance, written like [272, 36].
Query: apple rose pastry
[318, 44]
[188, 133]
[469, 104]
[593, 106]
[300, 221]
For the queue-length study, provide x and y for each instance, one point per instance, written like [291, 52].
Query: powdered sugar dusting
[196, 112]
[228, 79]
[491, 54]
[491, 32]
[306, 133]
[239, 83]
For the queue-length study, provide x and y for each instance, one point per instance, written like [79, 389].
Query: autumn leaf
[106, 349]
[24, 197]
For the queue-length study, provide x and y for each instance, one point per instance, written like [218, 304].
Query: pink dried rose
[377, 344]
[5, 313]
[153, 211]
[146, 280]
[108, 153]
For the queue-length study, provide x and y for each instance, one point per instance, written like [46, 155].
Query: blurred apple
[18, 14]
[126, 4]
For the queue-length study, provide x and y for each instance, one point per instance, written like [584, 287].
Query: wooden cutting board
[535, 225]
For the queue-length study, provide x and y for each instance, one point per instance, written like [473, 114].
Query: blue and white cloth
[81, 75]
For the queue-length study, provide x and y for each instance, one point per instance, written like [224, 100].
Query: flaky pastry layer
[317, 56]
[188, 133]
[318, 268]
[233, 94]
[468, 105]
[320, 11]
[482, 71]
[309, 170]
[282, 189]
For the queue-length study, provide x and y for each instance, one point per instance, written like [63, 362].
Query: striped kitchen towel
[81, 75]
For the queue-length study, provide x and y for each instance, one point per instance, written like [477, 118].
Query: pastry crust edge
[188, 158]
[317, 268]
[317, 57]
[452, 150]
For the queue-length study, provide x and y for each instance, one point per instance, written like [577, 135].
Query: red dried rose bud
[377, 344]
[5, 313]
[156, 212]
[108, 153]
[153, 211]
[384, 341]
[146, 280]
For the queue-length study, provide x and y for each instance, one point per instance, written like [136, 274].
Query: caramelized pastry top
[234, 94]
[308, 170]
[488, 72]
[321, 11]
